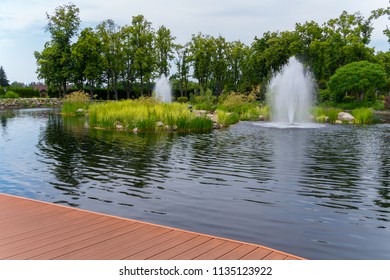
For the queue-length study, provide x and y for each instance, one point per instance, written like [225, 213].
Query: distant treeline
[125, 60]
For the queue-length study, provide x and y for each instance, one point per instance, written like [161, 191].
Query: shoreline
[25, 103]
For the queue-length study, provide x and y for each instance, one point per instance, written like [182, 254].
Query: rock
[168, 128]
[118, 126]
[261, 118]
[212, 117]
[338, 122]
[135, 130]
[80, 111]
[160, 124]
[200, 113]
[216, 125]
[174, 128]
[346, 117]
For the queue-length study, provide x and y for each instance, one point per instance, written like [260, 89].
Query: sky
[23, 22]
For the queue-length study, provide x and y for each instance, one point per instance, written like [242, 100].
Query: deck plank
[31, 229]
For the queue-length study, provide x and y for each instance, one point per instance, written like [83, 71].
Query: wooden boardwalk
[32, 229]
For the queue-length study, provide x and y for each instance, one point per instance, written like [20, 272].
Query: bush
[182, 99]
[26, 92]
[10, 94]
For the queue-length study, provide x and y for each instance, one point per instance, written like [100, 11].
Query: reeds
[75, 103]
[363, 115]
[328, 114]
[147, 114]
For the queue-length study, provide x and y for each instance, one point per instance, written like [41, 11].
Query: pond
[317, 192]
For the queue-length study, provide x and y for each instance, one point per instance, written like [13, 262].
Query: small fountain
[163, 89]
[290, 94]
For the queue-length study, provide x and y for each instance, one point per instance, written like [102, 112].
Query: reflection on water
[321, 193]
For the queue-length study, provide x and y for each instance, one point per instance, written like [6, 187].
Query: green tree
[54, 62]
[182, 67]
[164, 44]
[219, 64]
[129, 48]
[201, 51]
[144, 56]
[87, 59]
[360, 80]
[236, 55]
[112, 54]
[3, 78]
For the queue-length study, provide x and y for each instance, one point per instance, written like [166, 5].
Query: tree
[201, 49]
[87, 59]
[183, 67]
[112, 53]
[144, 56]
[54, 62]
[360, 80]
[3, 78]
[164, 50]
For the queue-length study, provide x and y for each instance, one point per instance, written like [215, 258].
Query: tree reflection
[94, 163]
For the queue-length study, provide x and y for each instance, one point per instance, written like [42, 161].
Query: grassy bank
[330, 115]
[147, 114]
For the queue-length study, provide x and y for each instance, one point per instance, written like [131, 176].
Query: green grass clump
[363, 115]
[75, 101]
[147, 114]
[325, 114]
[227, 118]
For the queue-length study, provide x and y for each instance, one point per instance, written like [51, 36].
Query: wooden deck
[32, 229]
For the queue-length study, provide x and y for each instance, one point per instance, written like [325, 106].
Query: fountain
[290, 94]
[163, 89]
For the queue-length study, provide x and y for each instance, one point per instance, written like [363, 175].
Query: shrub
[182, 99]
[11, 94]
[26, 92]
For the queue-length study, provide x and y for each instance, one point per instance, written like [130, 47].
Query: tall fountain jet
[163, 89]
[290, 94]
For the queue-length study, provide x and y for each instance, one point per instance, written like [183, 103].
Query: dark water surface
[321, 193]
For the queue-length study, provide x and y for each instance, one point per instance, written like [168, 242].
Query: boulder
[346, 117]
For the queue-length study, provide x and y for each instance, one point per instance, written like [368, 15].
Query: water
[290, 93]
[326, 198]
[163, 89]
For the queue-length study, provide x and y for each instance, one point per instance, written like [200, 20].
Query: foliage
[26, 92]
[75, 101]
[55, 62]
[243, 105]
[325, 114]
[204, 101]
[363, 115]
[3, 78]
[145, 115]
[127, 59]
[10, 94]
[357, 79]
[182, 99]
[227, 118]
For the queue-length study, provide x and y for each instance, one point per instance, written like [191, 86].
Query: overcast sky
[23, 22]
